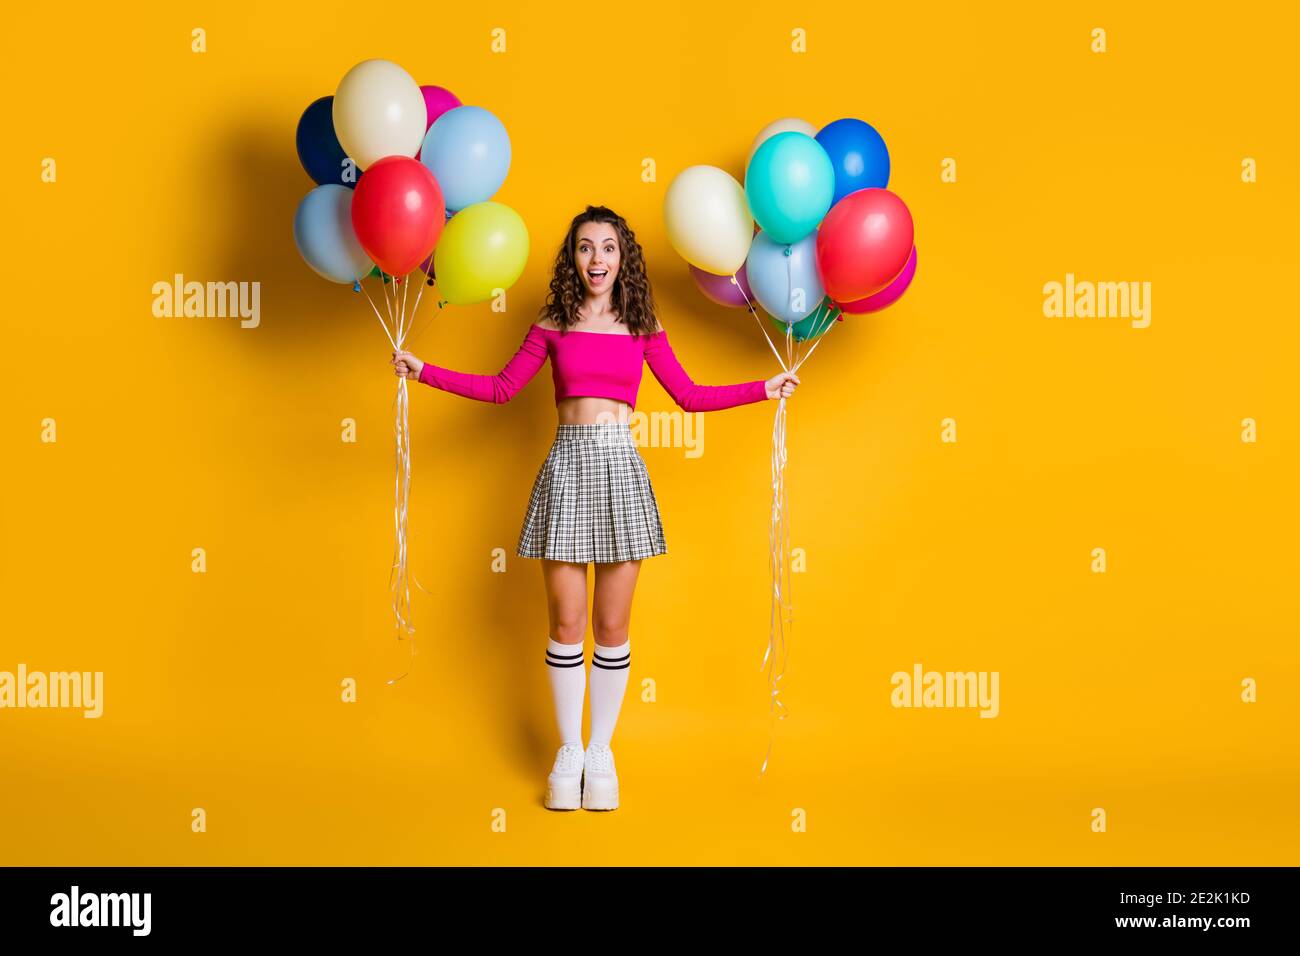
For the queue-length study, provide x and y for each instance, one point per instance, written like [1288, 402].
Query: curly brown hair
[631, 296]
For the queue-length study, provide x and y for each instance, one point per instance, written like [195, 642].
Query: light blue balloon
[468, 152]
[784, 276]
[790, 184]
[322, 230]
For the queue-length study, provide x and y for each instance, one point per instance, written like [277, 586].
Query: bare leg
[611, 660]
[612, 606]
[566, 600]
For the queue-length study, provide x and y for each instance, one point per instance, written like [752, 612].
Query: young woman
[592, 501]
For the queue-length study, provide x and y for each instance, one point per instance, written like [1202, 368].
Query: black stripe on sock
[611, 663]
[564, 660]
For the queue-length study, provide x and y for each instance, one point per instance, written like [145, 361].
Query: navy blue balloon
[318, 148]
[858, 154]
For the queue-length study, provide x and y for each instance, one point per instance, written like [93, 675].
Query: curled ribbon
[781, 621]
[400, 576]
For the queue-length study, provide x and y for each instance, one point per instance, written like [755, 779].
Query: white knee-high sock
[609, 670]
[569, 686]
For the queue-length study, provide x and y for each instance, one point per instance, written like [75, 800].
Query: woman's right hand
[407, 365]
[782, 385]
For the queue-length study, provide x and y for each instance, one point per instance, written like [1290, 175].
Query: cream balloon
[379, 111]
[708, 219]
[789, 124]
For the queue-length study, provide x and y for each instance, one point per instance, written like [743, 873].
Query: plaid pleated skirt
[592, 499]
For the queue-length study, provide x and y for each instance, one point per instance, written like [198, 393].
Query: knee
[610, 630]
[569, 629]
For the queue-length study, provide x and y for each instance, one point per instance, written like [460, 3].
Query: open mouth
[597, 275]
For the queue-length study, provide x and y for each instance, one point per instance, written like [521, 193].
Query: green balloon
[375, 274]
[790, 184]
[810, 326]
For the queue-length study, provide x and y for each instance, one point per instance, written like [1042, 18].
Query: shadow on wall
[464, 453]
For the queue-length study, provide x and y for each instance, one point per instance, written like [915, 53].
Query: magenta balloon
[437, 101]
[721, 289]
[886, 296]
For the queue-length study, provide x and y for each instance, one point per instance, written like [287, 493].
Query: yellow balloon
[708, 219]
[787, 125]
[379, 111]
[482, 251]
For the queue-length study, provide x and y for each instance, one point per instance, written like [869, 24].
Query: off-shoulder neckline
[614, 335]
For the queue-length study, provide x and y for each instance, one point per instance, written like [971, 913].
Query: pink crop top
[600, 364]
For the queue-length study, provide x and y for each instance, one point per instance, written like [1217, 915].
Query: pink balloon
[886, 296]
[721, 289]
[437, 101]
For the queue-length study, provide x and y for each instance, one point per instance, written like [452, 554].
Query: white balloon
[789, 124]
[379, 111]
[708, 219]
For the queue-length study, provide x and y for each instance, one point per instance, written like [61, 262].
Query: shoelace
[569, 759]
[600, 759]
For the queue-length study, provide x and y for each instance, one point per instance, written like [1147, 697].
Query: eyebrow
[585, 239]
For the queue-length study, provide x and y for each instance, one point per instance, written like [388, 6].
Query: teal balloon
[784, 277]
[468, 152]
[814, 325]
[322, 230]
[790, 184]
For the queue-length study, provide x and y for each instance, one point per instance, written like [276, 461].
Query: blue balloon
[784, 277]
[322, 230]
[790, 183]
[318, 147]
[858, 154]
[468, 152]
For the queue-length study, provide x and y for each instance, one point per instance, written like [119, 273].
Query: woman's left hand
[783, 385]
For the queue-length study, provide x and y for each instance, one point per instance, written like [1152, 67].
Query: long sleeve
[696, 398]
[498, 388]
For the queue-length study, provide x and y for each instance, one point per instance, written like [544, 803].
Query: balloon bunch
[406, 175]
[831, 240]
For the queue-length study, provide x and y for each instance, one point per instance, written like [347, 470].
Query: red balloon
[862, 244]
[886, 296]
[399, 216]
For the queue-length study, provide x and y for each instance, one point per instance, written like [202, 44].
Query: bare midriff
[589, 410]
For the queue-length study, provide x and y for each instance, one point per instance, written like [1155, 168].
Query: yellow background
[1118, 690]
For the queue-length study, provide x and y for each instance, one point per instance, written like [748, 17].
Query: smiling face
[597, 256]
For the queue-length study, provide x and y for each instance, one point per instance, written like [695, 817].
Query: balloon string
[426, 325]
[781, 618]
[782, 610]
[398, 582]
[401, 575]
[406, 287]
[754, 313]
[419, 295]
[416, 308]
[377, 315]
[832, 314]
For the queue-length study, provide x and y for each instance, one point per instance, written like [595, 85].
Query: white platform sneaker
[564, 785]
[600, 784]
